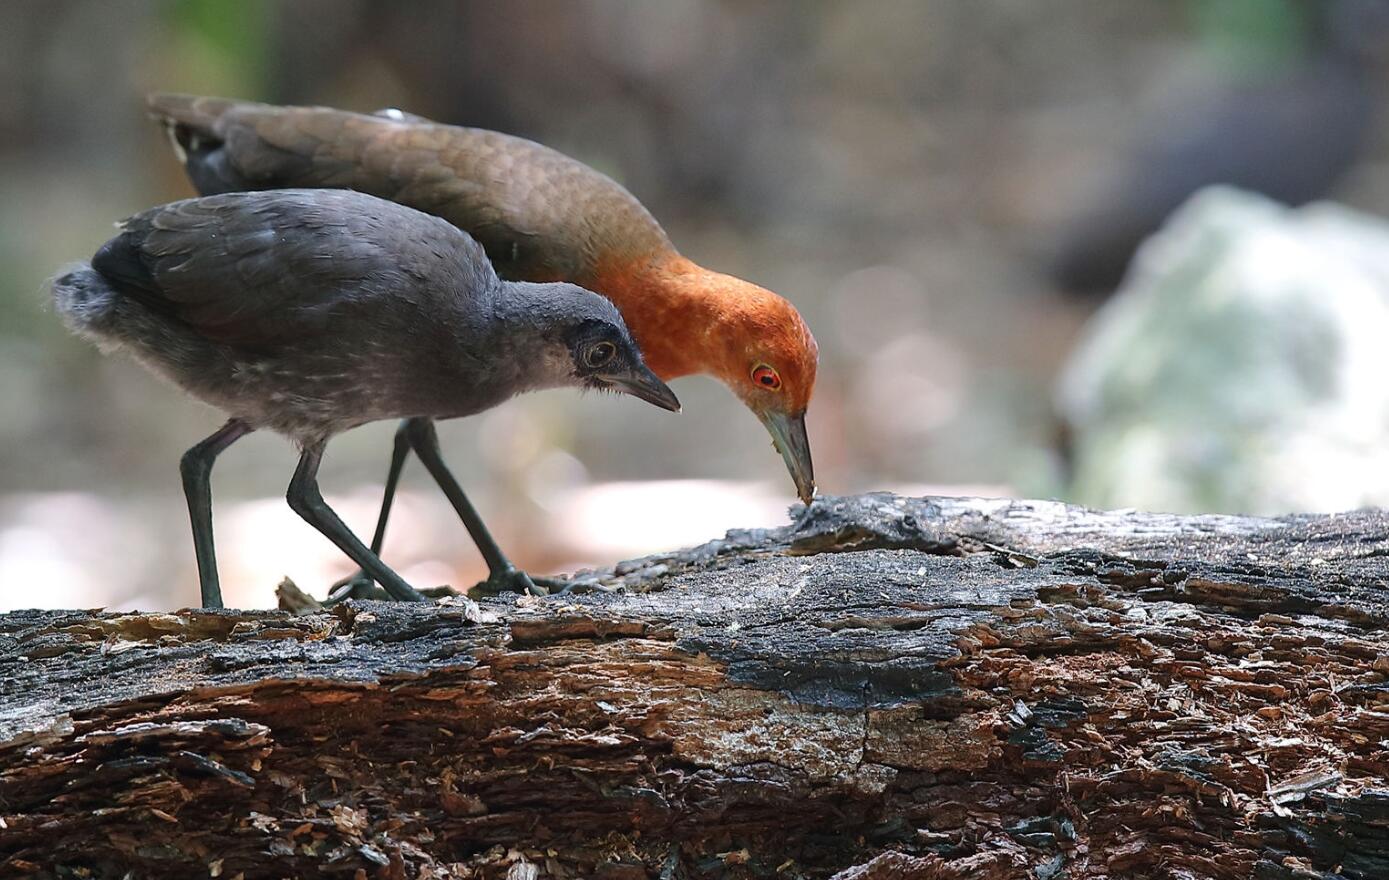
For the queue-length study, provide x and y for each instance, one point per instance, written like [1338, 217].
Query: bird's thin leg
[196, 469]
[305, 500]
[359, 583]
[425, 441]
[400, 450]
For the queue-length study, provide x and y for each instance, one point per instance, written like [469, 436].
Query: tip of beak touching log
[790, 439]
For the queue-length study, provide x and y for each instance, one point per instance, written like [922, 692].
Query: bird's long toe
[550, 583]
[512, 580]
[355, 586]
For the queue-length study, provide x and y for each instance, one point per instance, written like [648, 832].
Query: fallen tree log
[889, 688]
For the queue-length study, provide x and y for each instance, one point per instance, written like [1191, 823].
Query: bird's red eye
[766, 377]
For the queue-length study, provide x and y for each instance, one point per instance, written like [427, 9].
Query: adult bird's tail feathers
[191, 123]
[195, 111]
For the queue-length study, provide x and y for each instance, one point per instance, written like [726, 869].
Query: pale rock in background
[1242, 367]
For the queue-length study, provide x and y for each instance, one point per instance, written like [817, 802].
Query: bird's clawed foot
[551, 585]
[509, 580]
[358, 585]
[361, 586]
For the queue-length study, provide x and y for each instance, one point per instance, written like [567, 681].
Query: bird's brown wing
[540, 215]
[262, 268]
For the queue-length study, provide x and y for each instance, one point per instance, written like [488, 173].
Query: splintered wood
[959, 689]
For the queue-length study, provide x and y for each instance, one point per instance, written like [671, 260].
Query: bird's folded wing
[541, 215]
[262, 267]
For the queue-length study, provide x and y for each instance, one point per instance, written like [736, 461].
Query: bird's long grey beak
[643, 384]
[789, 438]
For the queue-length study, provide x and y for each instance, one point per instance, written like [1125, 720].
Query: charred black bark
[892, 687]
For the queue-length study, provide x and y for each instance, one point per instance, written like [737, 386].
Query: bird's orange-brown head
[688, 319]
[768, 359]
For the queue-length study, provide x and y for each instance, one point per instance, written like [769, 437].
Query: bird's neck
[679, 313]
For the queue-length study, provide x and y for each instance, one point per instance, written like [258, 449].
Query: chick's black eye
[599, 354]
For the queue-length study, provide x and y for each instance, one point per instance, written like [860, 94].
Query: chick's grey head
[587, 339]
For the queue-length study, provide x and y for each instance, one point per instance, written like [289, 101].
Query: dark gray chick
[310, 312]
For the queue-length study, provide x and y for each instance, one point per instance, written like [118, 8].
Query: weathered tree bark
[891, 688]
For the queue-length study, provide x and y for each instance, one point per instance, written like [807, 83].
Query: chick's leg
[196, 469]
[502, 574]
[305, 500]
[359, 584]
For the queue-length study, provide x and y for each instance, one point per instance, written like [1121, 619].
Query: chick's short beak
[789, 438]
[640, 382]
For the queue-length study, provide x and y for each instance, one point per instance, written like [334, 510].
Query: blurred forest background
[946, 189]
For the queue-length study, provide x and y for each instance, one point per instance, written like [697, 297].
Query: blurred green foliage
[1252, 34]
[223, 47]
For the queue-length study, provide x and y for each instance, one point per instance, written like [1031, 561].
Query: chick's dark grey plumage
[309, 312]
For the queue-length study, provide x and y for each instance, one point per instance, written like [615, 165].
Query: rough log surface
[889, 688]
